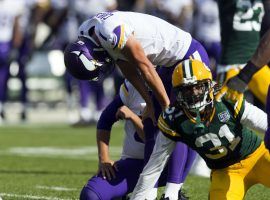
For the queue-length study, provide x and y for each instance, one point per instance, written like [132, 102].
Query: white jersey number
[224, 132]
[248, 17]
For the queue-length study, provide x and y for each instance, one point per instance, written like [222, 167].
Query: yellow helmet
[192, 84]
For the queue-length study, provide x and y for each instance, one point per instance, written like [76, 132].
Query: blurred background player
[114, 179]
[32, 15]
[240, 22]
[206, 29]
[178, 13]
[63, 18]
[10, 41]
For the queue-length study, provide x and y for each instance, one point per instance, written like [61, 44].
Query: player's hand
[232, 90]
[107, 169]
[267, 133]
[124, 113]
[149, 112]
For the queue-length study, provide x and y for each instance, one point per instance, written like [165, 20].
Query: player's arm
[125, 113]
[131, 73]
[151, 172]
[267, 133]
[253, 117]
[105, 123]
[134, 52]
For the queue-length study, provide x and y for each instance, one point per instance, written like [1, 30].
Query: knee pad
[88, 194]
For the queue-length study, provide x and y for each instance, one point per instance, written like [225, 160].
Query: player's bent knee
[88, 194]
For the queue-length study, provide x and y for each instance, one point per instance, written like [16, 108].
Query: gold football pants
[232, 183]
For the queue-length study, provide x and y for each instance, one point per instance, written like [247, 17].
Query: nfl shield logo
[224, 116]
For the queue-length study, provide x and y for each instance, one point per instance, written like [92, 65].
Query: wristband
[247, 72]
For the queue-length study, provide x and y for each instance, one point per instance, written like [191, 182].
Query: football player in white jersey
[136, 42]
[114, 178]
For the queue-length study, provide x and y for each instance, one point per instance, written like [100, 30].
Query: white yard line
[88, 152]
[30, 196]
[55, 188]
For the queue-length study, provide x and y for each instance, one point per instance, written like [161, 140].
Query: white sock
[152, 195]
[171, 190]
[86, 114]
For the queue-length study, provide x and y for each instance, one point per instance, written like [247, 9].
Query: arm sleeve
[254, 118]
[151, 172]
[107, 118]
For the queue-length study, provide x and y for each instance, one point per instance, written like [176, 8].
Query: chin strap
[199, 125]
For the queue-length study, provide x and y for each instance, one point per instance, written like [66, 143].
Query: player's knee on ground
[88, 194]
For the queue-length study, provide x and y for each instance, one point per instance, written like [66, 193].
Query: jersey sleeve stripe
[124, 89]
[165, 128]
[238, 105]
[119, 32]
[120, 45]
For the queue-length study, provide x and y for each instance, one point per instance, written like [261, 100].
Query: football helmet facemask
[192, 85]
[87, 61]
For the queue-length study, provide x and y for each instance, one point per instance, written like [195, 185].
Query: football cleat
[181, 196]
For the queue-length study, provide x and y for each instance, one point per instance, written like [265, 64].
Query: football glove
[229, 94]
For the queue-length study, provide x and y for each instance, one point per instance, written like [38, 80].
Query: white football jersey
[130, 97]
[163, 43]
[9, 10]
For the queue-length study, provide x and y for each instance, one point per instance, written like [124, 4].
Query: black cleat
[23, 116]
[163, 197]
[182, 195]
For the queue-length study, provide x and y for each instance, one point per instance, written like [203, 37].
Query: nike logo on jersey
[88, 64]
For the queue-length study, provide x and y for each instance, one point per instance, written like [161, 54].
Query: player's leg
[100, 98]
[227, 184]
[260, 172]
[127, 175]
[4, 75]
[259, 84]
[178, 167]
[22, 60]
[267, 133]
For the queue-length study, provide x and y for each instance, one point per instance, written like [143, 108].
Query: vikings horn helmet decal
[84, 63]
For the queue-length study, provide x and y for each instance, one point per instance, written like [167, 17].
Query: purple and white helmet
[86, 61]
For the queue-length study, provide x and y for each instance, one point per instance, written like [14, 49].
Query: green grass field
[53, 162]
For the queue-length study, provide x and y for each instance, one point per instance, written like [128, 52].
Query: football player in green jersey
[242, 23]
[260, 58]
[220, 131]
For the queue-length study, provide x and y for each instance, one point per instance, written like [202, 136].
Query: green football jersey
[240, 22]
[222, 142]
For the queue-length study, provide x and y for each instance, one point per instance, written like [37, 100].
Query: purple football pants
[5, 49]
[182, 157]
[22, 61]
[267, 133]
[127, 175]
